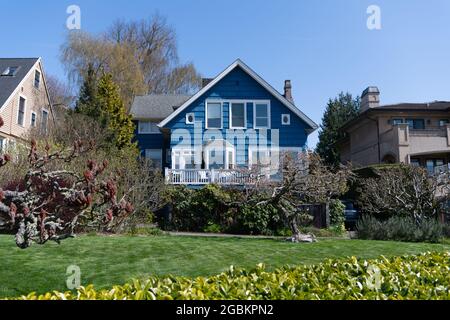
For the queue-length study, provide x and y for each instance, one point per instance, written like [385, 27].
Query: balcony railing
[203, 177]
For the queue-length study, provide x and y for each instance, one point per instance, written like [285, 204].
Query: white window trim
[282, 119]
[187, 118]
[143, 132]
[179, 152]
[24, 111]
[269, 120]
[221, 102]
[244, 102]
[35, 119]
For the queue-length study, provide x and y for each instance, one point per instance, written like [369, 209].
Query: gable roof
[257, 78]
[9, 84]
[156, 106]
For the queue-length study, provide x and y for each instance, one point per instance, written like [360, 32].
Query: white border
[24, 111]
[221, 102]
[146, 133]
[230, 111]
[269, 116]
[282, 119]
[187, 117]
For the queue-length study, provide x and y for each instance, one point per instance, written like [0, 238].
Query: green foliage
[214, 209]
[339, 111]
[102, 101]
[144, 231]
[337, 214]
[400, 229]
[113, 112]
[423, 277]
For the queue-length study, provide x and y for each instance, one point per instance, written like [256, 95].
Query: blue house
[236, 122]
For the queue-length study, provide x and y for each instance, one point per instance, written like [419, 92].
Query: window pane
[33, 119]
[155, 155]
[37, 79]
[44, 119]
[21, 115]
[262, 122]
[443, 122]
[419, 124]
[148, 127]
[238, 115]
[261, 111]
[214, 115]
[397, 121]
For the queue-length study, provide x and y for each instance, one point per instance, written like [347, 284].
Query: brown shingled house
[410, 133]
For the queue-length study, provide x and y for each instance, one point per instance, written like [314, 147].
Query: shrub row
[400, 229]
[422, 277]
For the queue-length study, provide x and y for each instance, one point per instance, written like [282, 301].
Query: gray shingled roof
[9, 83]
[156, 106]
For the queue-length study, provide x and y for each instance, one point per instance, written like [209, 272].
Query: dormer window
[10, 72]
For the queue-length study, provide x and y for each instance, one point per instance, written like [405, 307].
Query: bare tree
[60, 93]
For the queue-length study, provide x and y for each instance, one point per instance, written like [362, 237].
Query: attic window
[10, 72]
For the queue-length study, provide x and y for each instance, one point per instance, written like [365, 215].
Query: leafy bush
[423, 277]
[337, 214]
[144, 231]
[213, 209]
[400, 229]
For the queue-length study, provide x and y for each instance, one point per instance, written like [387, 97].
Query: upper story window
[214, 115]
[21, 113]
[44, 123]
[148, 127]
[10, 71]
[262, 115]
[37, 79]
[416, 124]
[238, 116]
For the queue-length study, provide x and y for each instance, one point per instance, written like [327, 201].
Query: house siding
[238, 85]
[36, 101]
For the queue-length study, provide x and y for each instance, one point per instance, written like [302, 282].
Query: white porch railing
[203, 177]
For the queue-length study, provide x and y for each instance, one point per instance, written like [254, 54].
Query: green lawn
[106, 261]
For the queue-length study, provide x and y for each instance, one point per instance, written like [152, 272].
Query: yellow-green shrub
[425, 276]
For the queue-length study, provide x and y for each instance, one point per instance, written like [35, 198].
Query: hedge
[423, 277]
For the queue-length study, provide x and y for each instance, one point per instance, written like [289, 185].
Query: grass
[106, 261]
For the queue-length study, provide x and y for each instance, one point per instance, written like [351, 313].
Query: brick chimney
[370, 99]
[288, 91]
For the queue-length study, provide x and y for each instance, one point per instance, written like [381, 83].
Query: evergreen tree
[113, 114]
[339, 111]
[87, 103]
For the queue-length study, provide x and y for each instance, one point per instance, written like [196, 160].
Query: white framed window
[148, 127]
[285, 119]
[37, 79]
[33, 119]
[214, 115]
[190, 118]
[261, 114]
[183, 159]
[238, 115]
[44, 120]
[21, 111]
[155, 155]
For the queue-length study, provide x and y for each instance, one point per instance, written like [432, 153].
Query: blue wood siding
[238, 85]
[151, 141]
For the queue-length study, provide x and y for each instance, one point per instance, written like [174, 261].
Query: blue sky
[323, 46]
